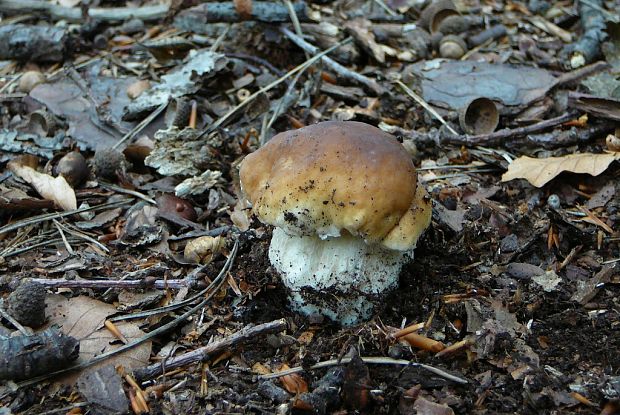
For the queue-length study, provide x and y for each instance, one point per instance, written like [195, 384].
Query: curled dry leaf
[293, 383]
[202, 250]
[55, 189]
[541, 171]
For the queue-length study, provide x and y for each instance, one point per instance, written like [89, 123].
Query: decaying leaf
[51, 188]
[541, 171]
[83, 318]
[293, 383]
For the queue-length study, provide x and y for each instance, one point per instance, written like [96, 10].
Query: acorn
[432, 16]
[29, 80]
[72, 166]
[452, 47]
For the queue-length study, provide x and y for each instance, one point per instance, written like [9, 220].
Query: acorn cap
[434, 14]
[336, 178]
[479, 116]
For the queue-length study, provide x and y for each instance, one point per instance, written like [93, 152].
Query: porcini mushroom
[347, 210]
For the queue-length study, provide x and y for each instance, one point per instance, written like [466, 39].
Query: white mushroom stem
[340, 278]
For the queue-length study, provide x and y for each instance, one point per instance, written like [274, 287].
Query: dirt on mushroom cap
[330, 177]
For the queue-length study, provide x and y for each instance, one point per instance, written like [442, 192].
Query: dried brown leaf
[83, 318]
[293, 383]
[540, 171]
[51, 188]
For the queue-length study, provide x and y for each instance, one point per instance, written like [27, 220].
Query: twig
[295, 21]
[81, 235]
[385, 7]
[500, 136]
[141, 125]
[578, 74]
[371, 360]
[74, 14]
[335, 66]
[427, 107]
[213, 287]
[203, 353]
[144, 283]
[266, 88]
[56, 215]
[119, 189]
[64, 239]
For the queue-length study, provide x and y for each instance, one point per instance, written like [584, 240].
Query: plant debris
[135, 273]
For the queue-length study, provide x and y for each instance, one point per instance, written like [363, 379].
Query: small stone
[509, 244]
[553, 201]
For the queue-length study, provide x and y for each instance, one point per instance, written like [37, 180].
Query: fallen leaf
[83, 318]
[293, 383]
[51, 188]
[540, 171]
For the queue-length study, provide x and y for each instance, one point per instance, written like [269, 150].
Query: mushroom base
[341, 278]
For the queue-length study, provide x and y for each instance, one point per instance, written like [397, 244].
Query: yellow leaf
[540, 171]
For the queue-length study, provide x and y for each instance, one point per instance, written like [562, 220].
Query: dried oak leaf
[83, 318]
[540, 171]
[51, 188]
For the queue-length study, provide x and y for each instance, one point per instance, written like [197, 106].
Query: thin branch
[371, 360]
[346, 73]
[273, 84]
[427, 107]
[500, 136]
[143, 283]
[204, 353]
[74, 14]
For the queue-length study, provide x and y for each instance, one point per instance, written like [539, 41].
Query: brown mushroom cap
[334, 176]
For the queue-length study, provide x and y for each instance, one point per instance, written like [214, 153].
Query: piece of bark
[591, 287]
[25, 357]
[103, 388]
[602, 107]
[194, 19]
[74, 14]
[32, 43]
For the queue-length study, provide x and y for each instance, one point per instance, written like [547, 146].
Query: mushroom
[347, 210]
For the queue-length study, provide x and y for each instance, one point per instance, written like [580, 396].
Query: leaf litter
[156, 266]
